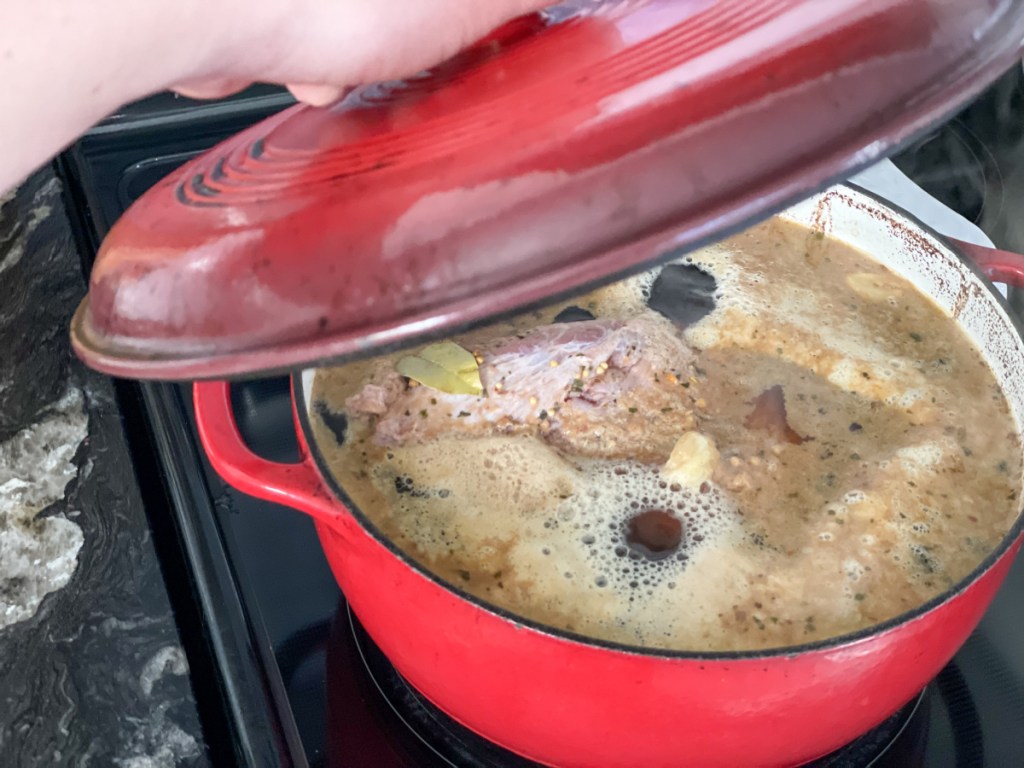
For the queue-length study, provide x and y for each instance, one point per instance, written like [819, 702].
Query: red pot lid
[567, 148]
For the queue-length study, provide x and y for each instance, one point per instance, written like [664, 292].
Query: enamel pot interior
[761, 698]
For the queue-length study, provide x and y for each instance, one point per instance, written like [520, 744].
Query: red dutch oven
[569, 148]
[569, 701]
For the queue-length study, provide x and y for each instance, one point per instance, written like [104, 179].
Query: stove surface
[303, 685]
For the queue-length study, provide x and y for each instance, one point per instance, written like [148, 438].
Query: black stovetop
[294, 680]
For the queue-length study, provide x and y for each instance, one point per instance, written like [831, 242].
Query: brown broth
[894, 471]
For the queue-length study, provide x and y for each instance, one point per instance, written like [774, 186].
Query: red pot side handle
[998, 266]
[294, 485]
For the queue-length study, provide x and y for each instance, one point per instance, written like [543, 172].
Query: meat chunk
[377, 398]
[594, 388]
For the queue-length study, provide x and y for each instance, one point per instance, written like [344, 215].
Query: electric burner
[970, 163]
[896, 743]
[955, 166]
[452, 743]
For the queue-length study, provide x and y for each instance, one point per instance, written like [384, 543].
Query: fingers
[211, 89]
[309, 93]
[354, 42]
[318, 95]
[326, 46]
[420, 34]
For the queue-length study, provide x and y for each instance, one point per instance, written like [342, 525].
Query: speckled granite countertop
[92, 670]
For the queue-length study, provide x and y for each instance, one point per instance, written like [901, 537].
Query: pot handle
[998, 265]
[293, 485]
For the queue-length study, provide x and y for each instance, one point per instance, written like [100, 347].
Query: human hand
[321, 48]
[65, 65]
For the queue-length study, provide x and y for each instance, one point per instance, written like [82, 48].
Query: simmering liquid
[858, 457]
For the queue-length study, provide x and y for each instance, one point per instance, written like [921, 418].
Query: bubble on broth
[905, 399]
[612, 496]
[919, 459]
[567, 530]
